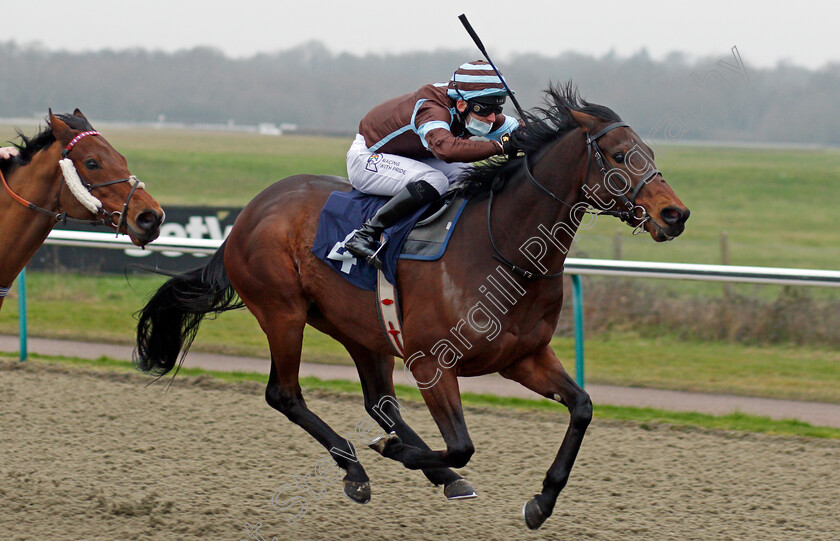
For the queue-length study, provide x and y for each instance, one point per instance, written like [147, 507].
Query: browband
[75, 140]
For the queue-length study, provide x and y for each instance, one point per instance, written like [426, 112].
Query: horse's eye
[91, 164]
[619, 157]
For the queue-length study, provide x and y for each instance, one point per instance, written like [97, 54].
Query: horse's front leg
[543, 373]
[443, 398]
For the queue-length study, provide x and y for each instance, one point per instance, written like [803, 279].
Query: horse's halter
[626, 216]
[81, 190]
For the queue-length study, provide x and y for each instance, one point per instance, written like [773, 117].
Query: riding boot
[365, 243]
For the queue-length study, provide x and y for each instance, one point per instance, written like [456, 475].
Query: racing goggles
[484, 109]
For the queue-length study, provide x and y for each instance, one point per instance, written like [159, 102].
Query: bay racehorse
[99, 190]
[490, 304]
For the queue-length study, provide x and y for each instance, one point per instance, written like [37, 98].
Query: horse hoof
[357, 491]
[381, 444]
[534, 517]
[459, 490]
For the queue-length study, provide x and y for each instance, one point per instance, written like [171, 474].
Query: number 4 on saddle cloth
[423, 235]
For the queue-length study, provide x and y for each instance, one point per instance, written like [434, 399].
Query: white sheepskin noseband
[71, 177]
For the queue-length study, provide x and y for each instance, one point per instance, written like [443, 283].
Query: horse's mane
[545, 125]
[44, 138]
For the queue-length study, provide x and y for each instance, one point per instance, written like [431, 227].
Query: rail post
[577, 304]
[22, 314]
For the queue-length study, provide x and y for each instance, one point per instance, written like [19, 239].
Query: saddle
[423, 236]
[429, 237]
[426, 241]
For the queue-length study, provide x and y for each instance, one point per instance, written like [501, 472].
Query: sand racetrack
[95, 455]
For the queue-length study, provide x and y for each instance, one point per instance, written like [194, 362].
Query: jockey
[7, 152]
[414, 146]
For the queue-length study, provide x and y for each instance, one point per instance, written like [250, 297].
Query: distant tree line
[710, 98]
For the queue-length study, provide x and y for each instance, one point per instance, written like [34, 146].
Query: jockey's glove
[507, 146]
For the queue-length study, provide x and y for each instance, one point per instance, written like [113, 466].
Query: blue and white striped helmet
[475, 79]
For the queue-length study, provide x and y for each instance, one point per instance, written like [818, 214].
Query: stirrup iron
[374, 259]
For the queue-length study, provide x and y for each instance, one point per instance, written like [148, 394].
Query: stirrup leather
[374, 259]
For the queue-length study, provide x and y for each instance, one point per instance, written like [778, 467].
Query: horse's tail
[167, 325]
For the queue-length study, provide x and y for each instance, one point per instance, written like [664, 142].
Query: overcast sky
[804, 33]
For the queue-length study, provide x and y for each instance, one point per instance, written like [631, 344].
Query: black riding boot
[365, 243]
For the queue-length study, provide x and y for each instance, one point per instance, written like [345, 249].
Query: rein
[625, 216]
[502, 259]
[81, 190]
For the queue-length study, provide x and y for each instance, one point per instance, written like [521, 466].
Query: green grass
[216, 169]
[185, 167]
[100, 308]
[645, 417]
[666, 362]
[778, 206]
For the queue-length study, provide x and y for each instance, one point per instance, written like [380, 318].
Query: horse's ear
[587, 122]
[79, 113]
[61, 131]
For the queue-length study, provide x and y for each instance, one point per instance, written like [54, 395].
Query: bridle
[627, 216]
[81, 190]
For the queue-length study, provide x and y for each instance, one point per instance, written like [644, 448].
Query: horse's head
[623, 180]
[100, 184]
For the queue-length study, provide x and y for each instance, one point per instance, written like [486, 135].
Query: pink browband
[76, 139]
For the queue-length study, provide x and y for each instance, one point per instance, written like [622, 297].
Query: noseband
[626, 216]
[81, 190]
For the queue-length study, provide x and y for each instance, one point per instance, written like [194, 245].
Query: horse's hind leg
[544, 375]
[282, 316]
[283, 393]
[263, 266]
[443, 399]
[376, 373]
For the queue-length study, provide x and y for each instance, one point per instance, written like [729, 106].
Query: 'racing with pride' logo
[372, 161]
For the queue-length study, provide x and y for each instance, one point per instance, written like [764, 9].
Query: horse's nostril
[148, 220]
[674, 215]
